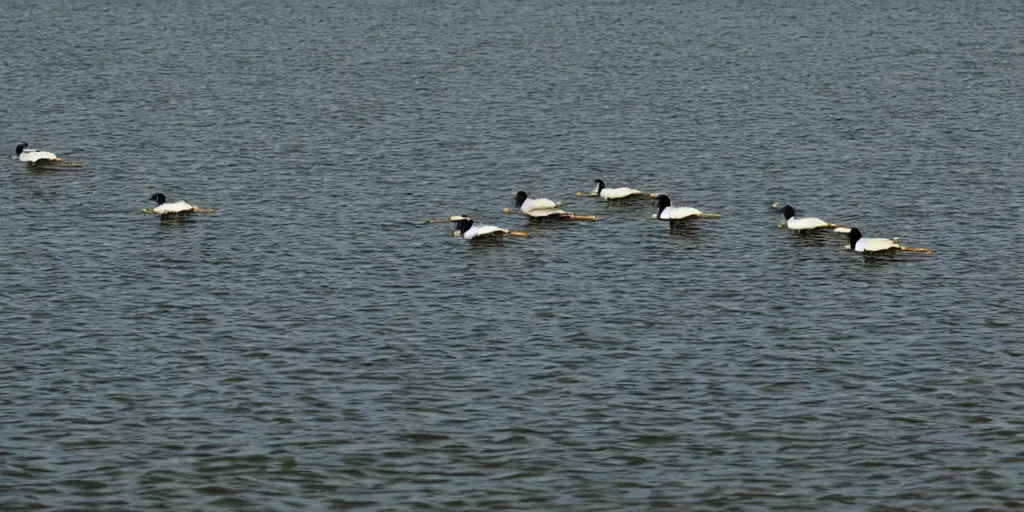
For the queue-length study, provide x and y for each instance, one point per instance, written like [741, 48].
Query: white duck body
[479, 231]
[543, 212]
[874, 245]
[32, 156]
[177, 207]
[806, 223]
[618, 193]
[537, 204]
[677, 213]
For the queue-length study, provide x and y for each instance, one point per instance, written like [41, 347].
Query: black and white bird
[879, 245]
[542, 208]
[33, 156]
[610, 194]
[805, 224]
[175, 209]
[525, 203]
[668, 212]
[467, 229]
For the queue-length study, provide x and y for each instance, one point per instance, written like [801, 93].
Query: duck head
[662, 201]
[854, 236]
[463, 224]
[520, 198]
[788, 212]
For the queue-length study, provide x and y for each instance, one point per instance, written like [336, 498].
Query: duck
[542, 208]
[525, 203]
[465, 228]
[33, 156]
[668, 212]
[550, 213]
[807, 223]
[176, 208]
[878, 245]
[610, 194]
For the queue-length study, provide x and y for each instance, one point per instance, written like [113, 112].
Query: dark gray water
[312, 346]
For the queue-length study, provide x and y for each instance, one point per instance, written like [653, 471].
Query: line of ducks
[538, 208]
[177, 210]
[543, 208]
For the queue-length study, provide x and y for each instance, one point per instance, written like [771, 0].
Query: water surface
[312, 345]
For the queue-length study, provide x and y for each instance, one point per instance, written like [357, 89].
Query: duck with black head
[35, 156]
[467, 229]
[524, 203]
[879, 245]
[807, 224]
[677, 213]
[612, 194]
[178, 208]
[542, 208]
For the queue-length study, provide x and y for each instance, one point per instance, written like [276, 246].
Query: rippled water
[313, 345]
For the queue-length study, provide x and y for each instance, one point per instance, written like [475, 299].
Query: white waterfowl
[876, 245]
[668, 212]
[179, 208]
[465, 228]
[33, 156]
[808, 223]
[542, 209]
[550, 213]
[610, 194]
[526, 204]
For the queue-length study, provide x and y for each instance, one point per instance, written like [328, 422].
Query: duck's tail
[915, 249]
[910, 249]
[573, 216]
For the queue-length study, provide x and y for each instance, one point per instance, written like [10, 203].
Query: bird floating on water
[609, 194]
[172, 210]
[668, 212]
[550, 213]
[878, 245]
[807, 223]
[37, 157]
[465, 228]
[542, 209]
[525, 203]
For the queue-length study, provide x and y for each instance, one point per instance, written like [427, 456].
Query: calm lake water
[312, 345]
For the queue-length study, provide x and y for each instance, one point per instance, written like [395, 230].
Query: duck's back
[33, 156]
[678, 213]
[874, 244]
[618, 193]
[537, 204]
[178, 207]
[544, 212]
[806, 223]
